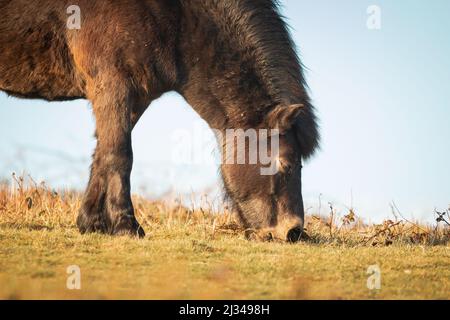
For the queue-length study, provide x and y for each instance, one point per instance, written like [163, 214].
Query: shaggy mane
[259, 29]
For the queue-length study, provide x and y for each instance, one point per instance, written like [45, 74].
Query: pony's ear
[307, 132]
[303, 123]
[283, 117]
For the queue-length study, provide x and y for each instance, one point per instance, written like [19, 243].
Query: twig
[382, 231]
[414, 224]
[331, 219]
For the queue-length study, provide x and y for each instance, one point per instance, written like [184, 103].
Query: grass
[201, 254]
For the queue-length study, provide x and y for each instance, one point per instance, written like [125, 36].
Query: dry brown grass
[200, 253]
[34, 206]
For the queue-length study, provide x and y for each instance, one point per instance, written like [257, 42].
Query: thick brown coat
[232, 60]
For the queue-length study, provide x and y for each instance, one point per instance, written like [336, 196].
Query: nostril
[295, 234]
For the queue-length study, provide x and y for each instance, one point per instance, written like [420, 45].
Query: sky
[382, 96]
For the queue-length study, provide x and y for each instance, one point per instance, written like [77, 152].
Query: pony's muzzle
[290, 229]
[295, 234]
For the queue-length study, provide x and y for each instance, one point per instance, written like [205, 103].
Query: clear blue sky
[383, 98]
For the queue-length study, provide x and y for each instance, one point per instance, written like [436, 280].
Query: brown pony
[232, 60]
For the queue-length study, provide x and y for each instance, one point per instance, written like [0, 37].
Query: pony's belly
[35, 62]
[30, 73]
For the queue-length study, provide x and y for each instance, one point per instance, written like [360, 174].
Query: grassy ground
[193, 254]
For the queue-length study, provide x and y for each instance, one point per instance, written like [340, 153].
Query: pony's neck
[238, 61]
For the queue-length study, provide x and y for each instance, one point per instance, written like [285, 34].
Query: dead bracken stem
[331, 219]
[441, 216]
[388, 228]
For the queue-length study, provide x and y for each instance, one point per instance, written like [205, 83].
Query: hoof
[90, 224]
[259, 235]
[128, 226]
